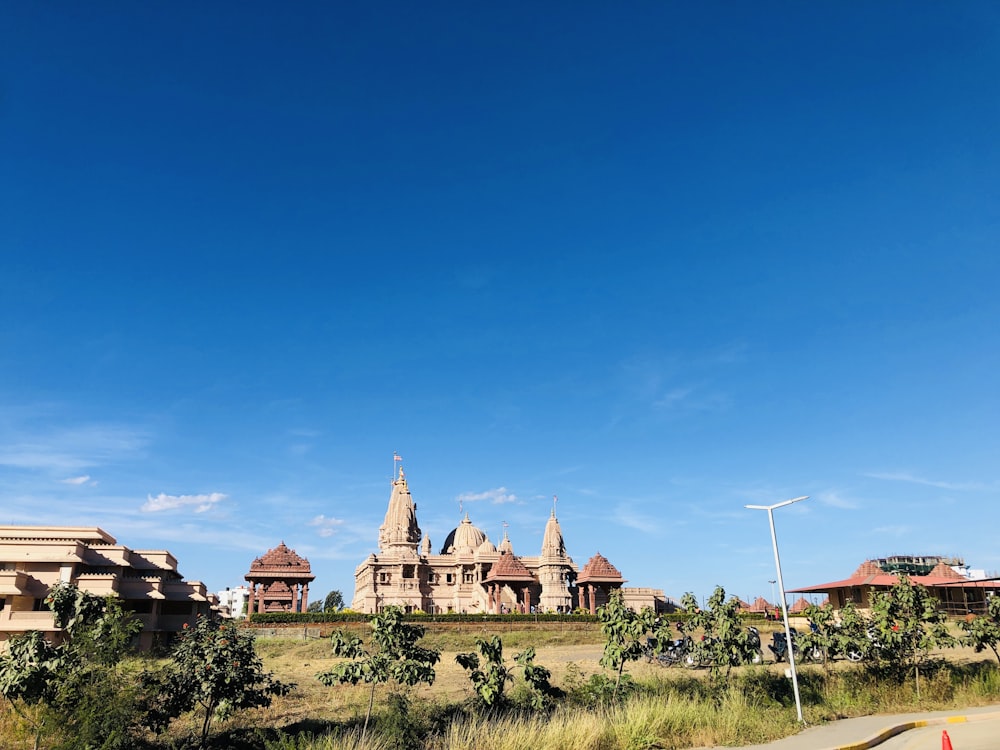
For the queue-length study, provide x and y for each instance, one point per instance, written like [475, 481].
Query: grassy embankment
[669, 708]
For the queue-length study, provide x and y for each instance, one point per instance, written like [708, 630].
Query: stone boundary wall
[312, 631]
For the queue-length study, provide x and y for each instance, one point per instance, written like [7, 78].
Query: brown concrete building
[471, 575]
[35, 558]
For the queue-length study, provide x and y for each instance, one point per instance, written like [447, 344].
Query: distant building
[470, 574]
[233, 602]
[35, 558]
[958, 595]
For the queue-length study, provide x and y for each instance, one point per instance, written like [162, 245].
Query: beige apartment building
[34, 558]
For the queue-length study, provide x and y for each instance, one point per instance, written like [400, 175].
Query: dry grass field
[563, 648]
[670, 712]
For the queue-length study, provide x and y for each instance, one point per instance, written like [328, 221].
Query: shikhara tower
[470, 574]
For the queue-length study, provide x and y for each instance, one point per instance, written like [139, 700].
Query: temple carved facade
[279, 582]
[471, 575]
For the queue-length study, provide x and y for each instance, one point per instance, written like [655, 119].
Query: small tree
[214, 669]
[334, 601]
[835, 634]
[394, 657]
[78, 683]
[315, 607]
[624, 632]
[983, 631]
[536, 678]
[726, 641]
[29, 673]
[907, 623]
[489, 676]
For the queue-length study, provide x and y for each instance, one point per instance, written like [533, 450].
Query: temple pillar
[592, 598]
[250, 598]
[304, 604]
[527, 600]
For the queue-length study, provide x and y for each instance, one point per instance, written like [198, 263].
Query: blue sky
[661, 260]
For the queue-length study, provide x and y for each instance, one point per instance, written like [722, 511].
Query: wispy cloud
[304, 432]
[201, 503]
[326, 526]
[77, 480]
[673, 398]
[71, 449]
[892, 530]
[691, 399]
[498, 496]
[836, 500]
[902, 476]
[628, 517]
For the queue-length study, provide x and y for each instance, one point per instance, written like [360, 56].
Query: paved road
[979, 735]
[868, 731]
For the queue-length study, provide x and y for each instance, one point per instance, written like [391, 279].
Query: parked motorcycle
[753, 653]
[779, 646]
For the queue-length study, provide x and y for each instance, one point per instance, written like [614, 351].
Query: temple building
[471, 575]
[279, 582]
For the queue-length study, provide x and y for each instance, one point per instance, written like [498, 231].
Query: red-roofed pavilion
[511, 572]
[279, 582]
[596, 581]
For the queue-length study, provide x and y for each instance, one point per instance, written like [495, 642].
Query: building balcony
[141, 588]
[14, 583]
[99, 584]
[41, 551]
[31, 621]
[191, 590]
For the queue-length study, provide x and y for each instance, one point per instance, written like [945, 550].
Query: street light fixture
[781, 588]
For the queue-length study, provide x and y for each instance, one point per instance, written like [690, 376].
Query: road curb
[884, 734]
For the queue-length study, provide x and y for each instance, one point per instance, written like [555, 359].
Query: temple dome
[505, 548]
[464, 538]
[486, 548]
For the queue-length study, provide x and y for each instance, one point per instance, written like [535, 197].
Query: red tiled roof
[599, 570]
[870, 574]
[509, 568]
[280, 562]
[799, 606]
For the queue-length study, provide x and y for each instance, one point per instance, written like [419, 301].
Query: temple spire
[400, 529]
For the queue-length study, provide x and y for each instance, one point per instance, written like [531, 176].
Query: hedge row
[320, 617]
[308, 617]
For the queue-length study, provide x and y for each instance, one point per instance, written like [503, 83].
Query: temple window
[407, 571]
[450, 578]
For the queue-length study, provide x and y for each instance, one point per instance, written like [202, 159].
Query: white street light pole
[781, 588]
